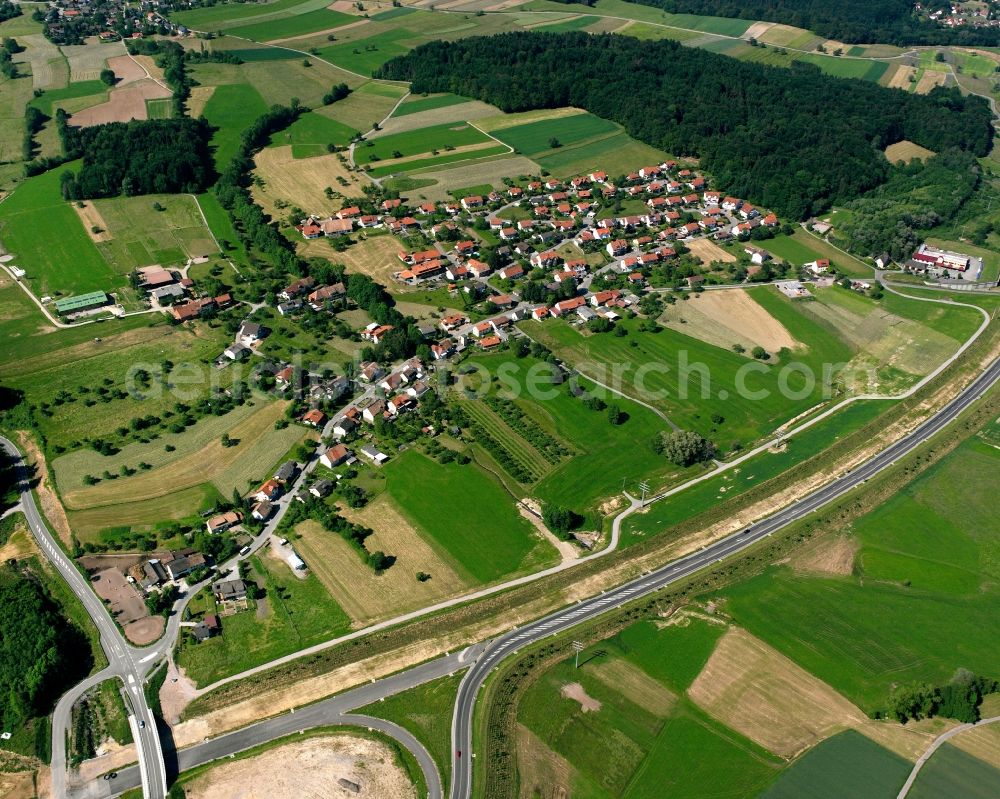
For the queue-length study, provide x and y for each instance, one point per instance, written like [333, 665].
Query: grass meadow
[534, 138]
[848, 764]
[293, 614]
[416, 104]
[418, 142]
[640, 738]
[310, 134]
[466, 515]
[56, 265]
[802, 247]
[231, 109]
[295, 25]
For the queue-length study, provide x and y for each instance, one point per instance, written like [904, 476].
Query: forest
[794, 140]
[156, 156]
[41, 654]
[850, 21]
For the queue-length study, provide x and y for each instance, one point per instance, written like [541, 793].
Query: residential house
[321, 488]
[236, 352]
[269, 491]
[286, 472]
[234, 590]
[334, 456]
[374, 411]
[250, 333]
[314, 417]
[223, 521]
[262, 511]
[183, 562]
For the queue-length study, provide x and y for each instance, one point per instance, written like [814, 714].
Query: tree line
[792, 139]
[850, 21]
[154, 156]
[41, 653]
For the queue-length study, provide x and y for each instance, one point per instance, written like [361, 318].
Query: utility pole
[644, 486]
[578, 646]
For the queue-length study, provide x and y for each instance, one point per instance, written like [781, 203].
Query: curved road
[586, 610]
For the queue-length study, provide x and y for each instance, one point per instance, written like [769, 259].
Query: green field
[418, 142]
[466, 516]
[417, 103]
[51, 99]
[63, 264]
[310, 134]
[563, 26]
[365, 55]
[141, 235]
[802, 247]
[293, 26]
[643, 741]
[919, 614]
[863, 69]
[486, 154]
[231, 109]
[533, 139]
[691, 395]
[293, 614]
[601, 454]
[952, 773]
[848, 764]
[224, 15]
[221, 227]
[699, 498]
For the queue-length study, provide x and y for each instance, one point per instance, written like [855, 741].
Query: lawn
[63, 264]
[952, 772]
[310, 134]
[480, 530]
[416, 104]
[418, 142]
[293, 614]
[848, 764]
[140, 235]
[426, 712]
[231, 109]
[295, 25]
[534, 138]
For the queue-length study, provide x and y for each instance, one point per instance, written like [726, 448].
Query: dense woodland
[153, 156]
[794, 140]
[851, 21]
[41, 654]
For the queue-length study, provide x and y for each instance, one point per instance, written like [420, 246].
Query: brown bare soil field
[194, 469]
[363, 595]
[578, 693]
[635, 685]
[929, 80]
[144, 631]
[308, 768]
[773, 701]
[125, 103]
[708, 251]
[148, 63]
[901, 77]
[828, 555]
[18, 546]
[90, 216]
[125, 69]
[17, 785]
[200, 95]
[301, 181]
[728, 317]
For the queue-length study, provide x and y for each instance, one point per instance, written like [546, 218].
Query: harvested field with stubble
[728, 317]
[301, 181]
[901, 78]
[708, 251]
[774, 702]
[907, 151]
[87, 60]
[375, 256]
[365, 596]
[929, 80]
[309, 768]
[125, 103]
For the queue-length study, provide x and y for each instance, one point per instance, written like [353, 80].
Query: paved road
[935, 745]
[329, 712]
[586, 610]
[125, 662]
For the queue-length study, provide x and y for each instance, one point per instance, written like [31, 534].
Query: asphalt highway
[328, 712]
[125, 663]
[565, 619]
